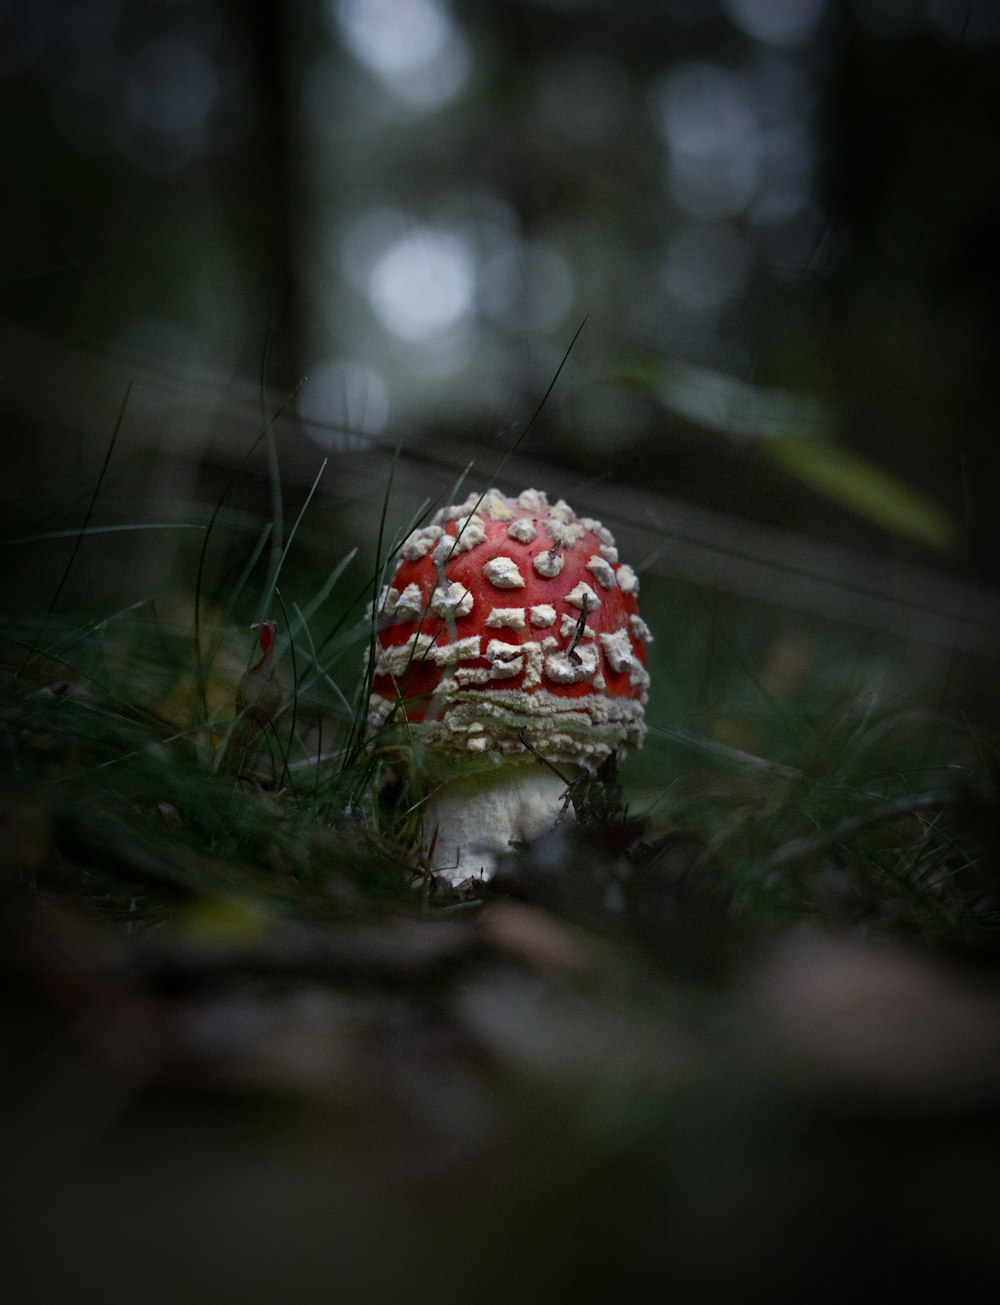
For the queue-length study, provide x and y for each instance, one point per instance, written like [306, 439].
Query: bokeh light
[712, 137]
[778, 22]
[411, 46]
[423, 284]
[343, 404]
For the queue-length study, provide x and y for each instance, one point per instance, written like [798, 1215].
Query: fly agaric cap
[510, 620]
[510, 632]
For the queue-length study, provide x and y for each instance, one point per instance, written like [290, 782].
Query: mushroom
[508, 637]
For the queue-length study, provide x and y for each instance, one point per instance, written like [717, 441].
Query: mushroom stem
[469, 822]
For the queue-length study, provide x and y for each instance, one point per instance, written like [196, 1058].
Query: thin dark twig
[581, 625]
[541, 404]
[523, 736]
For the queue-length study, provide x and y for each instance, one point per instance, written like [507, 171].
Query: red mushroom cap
[508, 616]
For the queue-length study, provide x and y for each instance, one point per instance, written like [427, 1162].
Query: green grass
[807, 803]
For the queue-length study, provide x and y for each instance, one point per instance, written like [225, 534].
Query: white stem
[471, 820]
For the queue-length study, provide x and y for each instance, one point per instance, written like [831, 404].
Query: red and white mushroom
[508, 622]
